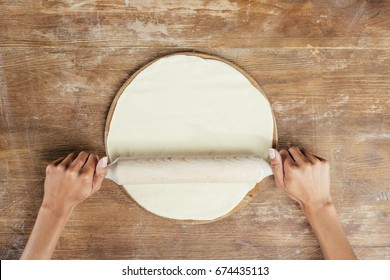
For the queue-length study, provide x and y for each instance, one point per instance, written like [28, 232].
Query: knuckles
[85, 176]
[71, 172]
[50, 168]
[325, 164]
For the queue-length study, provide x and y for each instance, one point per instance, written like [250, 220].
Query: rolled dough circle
[190, 104]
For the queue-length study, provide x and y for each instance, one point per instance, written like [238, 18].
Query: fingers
[80, 160]
[68, 160]
[57, 161]
[297, 155]
[277, 167]
[90, 164]
[313, 158]
[309, 156]
[102, 164]
[286, 157]
[320, 158]
[100, 174]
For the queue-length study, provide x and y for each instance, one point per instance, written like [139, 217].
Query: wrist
[319, 209]
[57, 211]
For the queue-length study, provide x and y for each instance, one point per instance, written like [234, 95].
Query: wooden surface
[324, 66]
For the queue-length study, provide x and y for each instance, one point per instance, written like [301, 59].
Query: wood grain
[324, 65]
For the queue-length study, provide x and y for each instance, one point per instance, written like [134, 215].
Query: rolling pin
[175, 170]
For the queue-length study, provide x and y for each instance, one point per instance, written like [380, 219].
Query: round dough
[184, 105]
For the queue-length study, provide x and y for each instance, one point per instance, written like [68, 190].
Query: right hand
[302, 176]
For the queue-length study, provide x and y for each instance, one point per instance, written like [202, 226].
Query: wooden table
[324, 66]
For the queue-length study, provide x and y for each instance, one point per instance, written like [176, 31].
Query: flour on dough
[184, 105]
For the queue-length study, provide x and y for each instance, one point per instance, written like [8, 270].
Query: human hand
[68, 182]
[302, 176]
[71, 180]
[305, 178]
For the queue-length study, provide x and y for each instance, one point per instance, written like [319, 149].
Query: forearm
[45, 234]
[329, 232]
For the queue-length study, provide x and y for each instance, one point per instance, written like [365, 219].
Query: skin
[301, 175]
[305, 178]
[68, 182]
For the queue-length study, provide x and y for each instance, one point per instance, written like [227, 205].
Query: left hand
[71, 180]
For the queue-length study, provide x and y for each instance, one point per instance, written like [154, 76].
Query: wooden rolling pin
[171, 170]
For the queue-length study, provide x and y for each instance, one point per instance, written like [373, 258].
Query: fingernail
[102, 163]
[271, 153]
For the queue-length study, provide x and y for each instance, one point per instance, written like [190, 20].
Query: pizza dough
[186, 105]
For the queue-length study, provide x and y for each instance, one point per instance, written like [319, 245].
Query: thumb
[277, 167]
[100, 174]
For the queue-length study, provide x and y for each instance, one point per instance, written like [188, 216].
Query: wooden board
[324, 66]
[255, 188]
